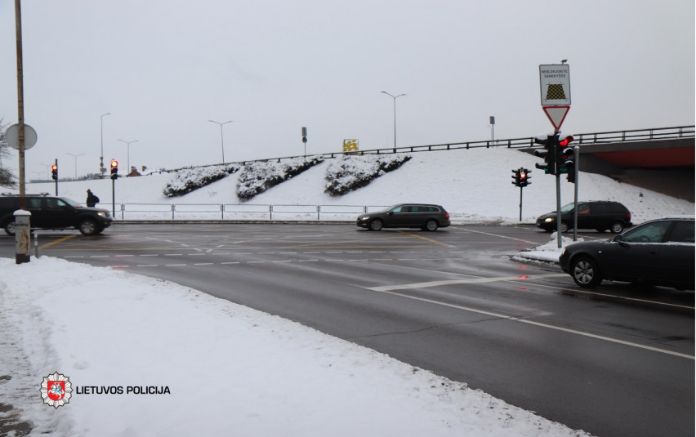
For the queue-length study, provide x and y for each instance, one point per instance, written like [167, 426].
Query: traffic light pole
[557, 172]
[576, 170]
[520, 203]
[113, 197]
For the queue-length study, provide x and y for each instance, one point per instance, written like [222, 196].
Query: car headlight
[103, 214]
[548, 219]
[363, 218]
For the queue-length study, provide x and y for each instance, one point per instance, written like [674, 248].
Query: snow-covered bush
[352, 172]
[257, 177]
[188, 179]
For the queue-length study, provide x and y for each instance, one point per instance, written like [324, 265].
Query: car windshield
[568, 207]
[70, 202]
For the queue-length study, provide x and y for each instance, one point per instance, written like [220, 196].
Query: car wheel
[376, 225]
[585, 273]
[431, 226]
[88, 227]
[9, 228]
[616, 228]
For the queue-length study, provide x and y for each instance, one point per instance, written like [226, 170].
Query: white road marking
[229, 262]
[538, 324]
[122, 256]
[155, 254]
[203, 264]
[74, 256]
[175, 265]
[496, 235]
[475, 280]
[195, 254]
[147, 265]
[99, 256]
[173, 254]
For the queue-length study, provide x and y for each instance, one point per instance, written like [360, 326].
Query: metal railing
[234, 212]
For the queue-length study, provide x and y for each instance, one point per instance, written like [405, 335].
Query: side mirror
[390, 213]
[619, 239]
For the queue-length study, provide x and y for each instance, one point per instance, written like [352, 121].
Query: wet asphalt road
[617, 361]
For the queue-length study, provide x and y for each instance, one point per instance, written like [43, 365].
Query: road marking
[147, 265]
[229, 262]
[614, 296]
[203, 264]
[173, 254]
[475, 280]
[122, 256]
[538, 324]
[439, 243]
[74, 256]
[497, 235]
[99, 256]
[155, 254]
[53, 243]
[195, 254]
[175, 265]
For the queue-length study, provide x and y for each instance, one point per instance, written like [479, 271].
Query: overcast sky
[163, 68]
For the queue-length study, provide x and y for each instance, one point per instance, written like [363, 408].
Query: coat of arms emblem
[56, 390]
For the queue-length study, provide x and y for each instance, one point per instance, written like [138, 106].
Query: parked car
[599, 215]
[50, 212]
[658, 252]
[407, 215]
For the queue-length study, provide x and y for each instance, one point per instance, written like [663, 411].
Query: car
[407, 215]
[600, 215]
[658, 252]
[51, 212]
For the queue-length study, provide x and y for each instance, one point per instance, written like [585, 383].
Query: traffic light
[524, 177]
[520, 177]
[549, 154]
[54, 172]
[114, 169]
[566, 158]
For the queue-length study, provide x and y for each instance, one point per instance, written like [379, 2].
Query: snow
[230, 369]
[473, 185]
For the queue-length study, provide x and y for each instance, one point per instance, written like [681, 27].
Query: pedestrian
[92, 200]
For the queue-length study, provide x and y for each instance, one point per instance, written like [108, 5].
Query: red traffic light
[54, 168]
[565, 141]
[114, 164]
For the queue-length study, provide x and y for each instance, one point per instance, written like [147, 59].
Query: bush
[257, 177]
[189, 179]
[352, 172]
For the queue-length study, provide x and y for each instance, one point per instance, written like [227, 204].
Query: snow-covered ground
[473, 185]
[229, 370]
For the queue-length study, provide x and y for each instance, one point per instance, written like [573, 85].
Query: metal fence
[232, 212]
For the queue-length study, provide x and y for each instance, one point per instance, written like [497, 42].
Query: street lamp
[394, 97]
[75, 155]
[222, 140]
[128, 143]
[102, 170]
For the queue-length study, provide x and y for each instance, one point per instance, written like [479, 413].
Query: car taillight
[628, 216]
[446, 215]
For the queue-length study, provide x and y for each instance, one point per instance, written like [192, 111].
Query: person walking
[92, 200]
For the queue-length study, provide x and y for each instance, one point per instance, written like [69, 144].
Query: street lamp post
[128, 143]
[75, 155]
[222, 140]
[102, 169]
[394, 98]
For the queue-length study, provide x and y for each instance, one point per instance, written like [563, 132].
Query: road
[617, 361]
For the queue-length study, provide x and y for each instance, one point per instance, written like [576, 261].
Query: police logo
[56, 390]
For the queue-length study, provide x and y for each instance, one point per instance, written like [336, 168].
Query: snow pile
[228, 369]
[189, 179]
[257, 177]
[547, 253]
[352, 172]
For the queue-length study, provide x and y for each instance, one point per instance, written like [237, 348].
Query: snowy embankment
[473, 185]
[228, 369]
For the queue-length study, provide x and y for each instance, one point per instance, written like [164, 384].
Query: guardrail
[232, 212]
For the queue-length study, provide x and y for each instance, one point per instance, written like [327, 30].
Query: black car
[49, 212]
[658, 252]
[408, 215]
[600, 215]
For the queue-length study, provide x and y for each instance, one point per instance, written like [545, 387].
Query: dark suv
[408, 215]
[49, 212]
[600, 215]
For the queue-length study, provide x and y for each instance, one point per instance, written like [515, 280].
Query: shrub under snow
[352, 172]
[188, 179]
[257, 177]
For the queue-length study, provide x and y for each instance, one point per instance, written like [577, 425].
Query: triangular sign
[556, 114]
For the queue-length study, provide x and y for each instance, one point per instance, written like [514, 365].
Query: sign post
[554, 84]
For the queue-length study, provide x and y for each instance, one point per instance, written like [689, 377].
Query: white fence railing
[228, 211]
